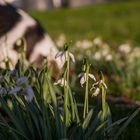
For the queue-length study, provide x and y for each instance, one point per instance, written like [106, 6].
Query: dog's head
[16, 24]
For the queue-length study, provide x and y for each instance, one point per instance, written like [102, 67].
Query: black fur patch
[9, 17]
[33, 35]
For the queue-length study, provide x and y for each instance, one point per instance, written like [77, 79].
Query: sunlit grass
[115, 22]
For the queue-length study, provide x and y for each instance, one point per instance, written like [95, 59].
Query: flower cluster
[83, 76]
[19, 86]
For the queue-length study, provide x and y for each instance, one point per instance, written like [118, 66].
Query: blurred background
[49, 4]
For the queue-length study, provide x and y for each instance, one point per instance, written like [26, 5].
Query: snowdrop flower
[82, 77]
[125, 48]
[62, 82]
[105, 52]
[96, 92]
[84, 44]
[108, 57]
[29, 95]
[97, 56]
[14, 90]
[135, 54]
[97, 87]
[64, 55]
[98, 41]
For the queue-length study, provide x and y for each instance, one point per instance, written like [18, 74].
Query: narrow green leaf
[87, 119]
[126, 123]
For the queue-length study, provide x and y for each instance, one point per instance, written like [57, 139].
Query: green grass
[115, 22]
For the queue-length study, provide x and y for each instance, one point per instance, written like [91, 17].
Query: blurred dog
[16, 24]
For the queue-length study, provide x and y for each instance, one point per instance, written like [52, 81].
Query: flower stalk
[66, 88]
[86, 92]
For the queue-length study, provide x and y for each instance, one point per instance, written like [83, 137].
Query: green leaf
[87, 119]
[126, 123]
[93, 125]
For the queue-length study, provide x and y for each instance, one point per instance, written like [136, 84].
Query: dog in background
[16, 24]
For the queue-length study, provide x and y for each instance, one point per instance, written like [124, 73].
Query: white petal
[80, 75]
[72, 57]
[92, 76]
[59, 54]
[29, 94]
[83, 80]
[61, 82]
[58, 82]
[14, 90]
[95, 84]
[63, 57]
[97, 91]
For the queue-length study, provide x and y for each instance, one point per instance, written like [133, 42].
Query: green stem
[86, 93]
[66, 91]
[103, 102]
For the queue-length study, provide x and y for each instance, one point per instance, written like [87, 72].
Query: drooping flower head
[83, 74]
[96, 87]
[63, 55]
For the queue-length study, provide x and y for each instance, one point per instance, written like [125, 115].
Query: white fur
[7, 41]
[2, 2]
[17, 32]
[46, 47]
[7, 52]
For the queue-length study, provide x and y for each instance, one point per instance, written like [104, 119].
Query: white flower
[14, 90]
[84, 44]
[29, 94]
[83, 77]
[125, 48]
[62, 82]
[108, 57]
[97, 91]
[64, 55]
[97, 56]
[97, 88]
[105, 52]
[98, 41]
[135, 54]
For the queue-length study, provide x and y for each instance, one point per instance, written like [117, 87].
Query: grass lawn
[115, 22]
